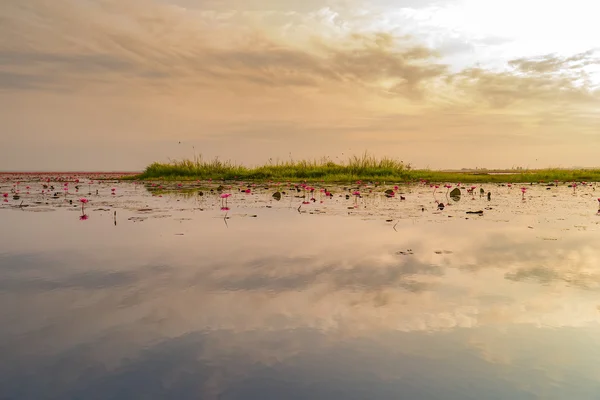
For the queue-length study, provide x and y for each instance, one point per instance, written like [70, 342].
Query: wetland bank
[168, 289]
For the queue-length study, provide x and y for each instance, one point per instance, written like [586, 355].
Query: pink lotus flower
[83, 217]
[83, 200]
[225, 208]
[5, 195]
[224, 196]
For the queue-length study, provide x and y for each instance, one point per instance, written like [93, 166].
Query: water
[320, 301]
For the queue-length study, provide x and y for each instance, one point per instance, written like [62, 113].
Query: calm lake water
[273, 299]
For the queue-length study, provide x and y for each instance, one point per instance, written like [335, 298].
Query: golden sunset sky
[117, 84]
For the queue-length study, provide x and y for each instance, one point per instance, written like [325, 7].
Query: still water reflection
[179, 302]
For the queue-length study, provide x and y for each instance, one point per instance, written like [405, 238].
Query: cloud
[277, 72]
[160, 48]
[553, 63]
[144, 46]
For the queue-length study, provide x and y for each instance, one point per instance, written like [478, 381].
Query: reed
[363, 167]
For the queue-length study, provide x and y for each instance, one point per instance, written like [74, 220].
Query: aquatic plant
[83, 202]
[224, 197]
[356, 168]
[365, 167]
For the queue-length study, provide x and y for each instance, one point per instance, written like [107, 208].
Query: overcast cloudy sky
[116, 84]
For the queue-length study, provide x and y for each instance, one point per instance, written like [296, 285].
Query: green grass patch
[365, 167]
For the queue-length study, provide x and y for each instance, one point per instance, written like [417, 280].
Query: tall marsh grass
[363, 167]
[356, 167]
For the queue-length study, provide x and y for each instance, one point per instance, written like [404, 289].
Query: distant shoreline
[364, 168]
[118, 173]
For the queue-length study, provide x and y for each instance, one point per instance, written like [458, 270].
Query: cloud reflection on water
[282, 298]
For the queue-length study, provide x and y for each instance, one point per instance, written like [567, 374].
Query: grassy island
[365, 167]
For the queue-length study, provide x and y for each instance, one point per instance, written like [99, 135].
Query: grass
[364, 167]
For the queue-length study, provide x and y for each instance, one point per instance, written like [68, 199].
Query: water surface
[393, 299]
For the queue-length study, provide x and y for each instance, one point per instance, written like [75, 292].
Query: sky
[113, 85]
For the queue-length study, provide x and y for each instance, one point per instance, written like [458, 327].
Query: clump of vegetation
[365, 167]
[356, 167]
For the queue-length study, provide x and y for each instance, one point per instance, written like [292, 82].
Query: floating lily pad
[277, 196]
[455, 194]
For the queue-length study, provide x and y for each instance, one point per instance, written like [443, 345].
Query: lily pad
[455, 194]
[277, 196]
